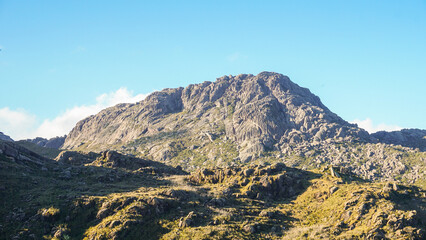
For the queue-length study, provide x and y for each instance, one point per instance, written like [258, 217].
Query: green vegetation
[252, 202]
[124, 197]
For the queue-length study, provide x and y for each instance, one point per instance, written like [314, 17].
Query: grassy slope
[26, 188]
[130, 211]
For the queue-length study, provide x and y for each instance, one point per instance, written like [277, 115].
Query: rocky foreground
[113, 196]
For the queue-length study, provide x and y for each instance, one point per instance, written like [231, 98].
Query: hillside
[113, 196]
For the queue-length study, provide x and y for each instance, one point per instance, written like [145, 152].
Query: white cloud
[20, 124]
[16, 123]
[122, 95]
[370, 127]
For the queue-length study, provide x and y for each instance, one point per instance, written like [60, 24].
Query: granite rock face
[257, 113]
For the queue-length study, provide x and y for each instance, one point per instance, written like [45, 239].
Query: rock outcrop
[21, 154]
[257, 182]
[76, 158]
[113, 159]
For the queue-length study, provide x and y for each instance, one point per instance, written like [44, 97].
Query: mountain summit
[256, 113]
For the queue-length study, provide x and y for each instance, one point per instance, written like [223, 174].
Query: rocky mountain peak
[256, 113]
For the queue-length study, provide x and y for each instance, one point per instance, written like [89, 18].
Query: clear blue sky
[364, 59]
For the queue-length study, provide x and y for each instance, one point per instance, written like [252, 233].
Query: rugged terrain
[113, 196]
[244, 157]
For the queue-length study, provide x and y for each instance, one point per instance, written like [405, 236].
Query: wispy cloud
[371, 127]
[20, 124]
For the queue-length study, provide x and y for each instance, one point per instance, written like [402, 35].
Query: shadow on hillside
[50, 183]
[99, 181]
[26, 175]
[249, 206]
[411, 198]
[29, 184]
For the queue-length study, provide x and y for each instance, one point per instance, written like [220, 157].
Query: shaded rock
[249, 228]
[114, 159]
[154, 201]
[333, 189]
[75, 158]
[277, 167]
[248, 172]
[61, 232]
[186, 221]
[114, 223]
[103, 213]
[50, 214]
[333, 172]
[219, 202]
[266, 213]
[175, 193]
